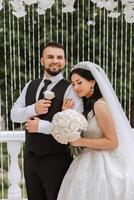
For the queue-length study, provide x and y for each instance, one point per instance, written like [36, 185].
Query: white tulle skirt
[97, 175]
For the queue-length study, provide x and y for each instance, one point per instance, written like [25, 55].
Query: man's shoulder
[66, 81]
[36, 81]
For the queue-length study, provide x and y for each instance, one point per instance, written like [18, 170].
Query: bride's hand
[77, 143]
[68, 104]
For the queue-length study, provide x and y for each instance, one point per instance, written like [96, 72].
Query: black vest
[39, 143]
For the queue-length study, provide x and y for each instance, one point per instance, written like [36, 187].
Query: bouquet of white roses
[67, 126]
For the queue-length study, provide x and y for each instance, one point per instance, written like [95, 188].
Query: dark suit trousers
[43, 175]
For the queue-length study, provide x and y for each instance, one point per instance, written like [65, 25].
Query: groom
[45, 160]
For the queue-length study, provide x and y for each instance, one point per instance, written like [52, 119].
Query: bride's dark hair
[88, 102]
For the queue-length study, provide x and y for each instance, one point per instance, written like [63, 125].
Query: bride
[105, 168]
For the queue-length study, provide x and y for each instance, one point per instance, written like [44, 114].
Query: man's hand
[42, 106]
[68, 104]
[32, 124]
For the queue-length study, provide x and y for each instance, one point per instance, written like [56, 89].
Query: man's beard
[53, 73]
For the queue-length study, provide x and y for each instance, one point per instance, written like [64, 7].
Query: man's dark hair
[52, 44]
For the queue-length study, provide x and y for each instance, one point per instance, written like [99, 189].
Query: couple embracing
[103, 170]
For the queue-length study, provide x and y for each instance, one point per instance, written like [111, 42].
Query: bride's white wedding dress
[97, 174]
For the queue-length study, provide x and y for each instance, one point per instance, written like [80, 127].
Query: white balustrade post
[14, 174]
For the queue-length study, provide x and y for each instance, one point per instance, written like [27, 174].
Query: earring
[92, 88]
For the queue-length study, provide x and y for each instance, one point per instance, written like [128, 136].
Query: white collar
[54, 78]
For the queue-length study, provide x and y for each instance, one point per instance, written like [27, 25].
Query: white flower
[20, 13]
[94, 1]
[101, 4]
[67, 126]
[17, 5]
[124, 2]
[129, 19]
[18, 8]
[44, 5]
[49, 94]
[40, 11]
[110, 5]
[114, 14]
[129, 12]
[69, 6]
[68, 2]
[1, 5]
[30, 2]
[68, 9]
[90, 22]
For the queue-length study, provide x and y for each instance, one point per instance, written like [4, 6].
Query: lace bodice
[93, 130]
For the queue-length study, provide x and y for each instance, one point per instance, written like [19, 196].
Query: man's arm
[38, 125]
[19, 112]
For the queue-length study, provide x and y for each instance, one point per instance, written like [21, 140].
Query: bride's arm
[105, 121]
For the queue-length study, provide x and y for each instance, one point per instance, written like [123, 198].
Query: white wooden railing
[14, 140]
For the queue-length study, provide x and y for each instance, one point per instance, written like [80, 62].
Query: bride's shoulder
[100, 106]
[100, 102]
